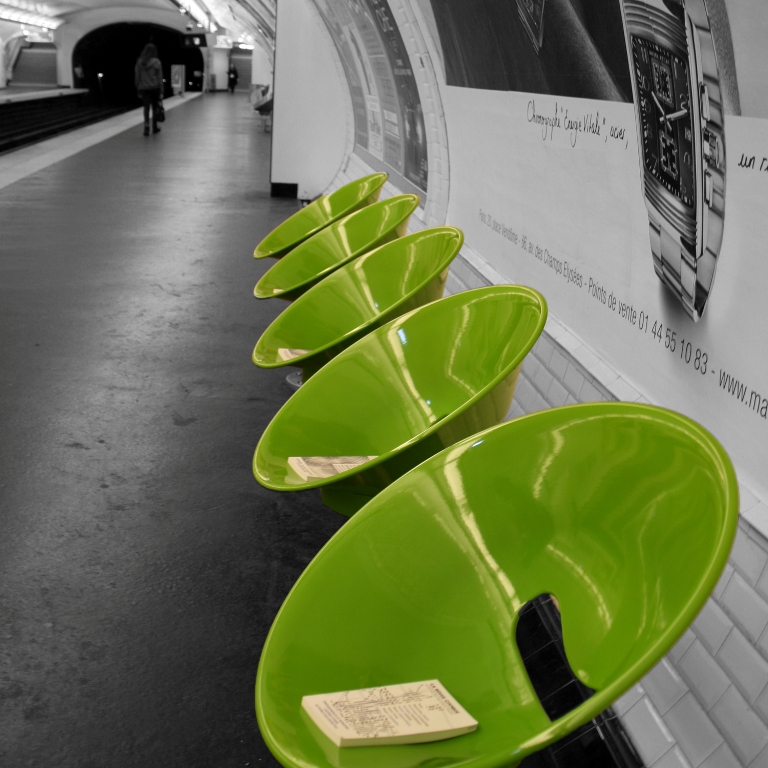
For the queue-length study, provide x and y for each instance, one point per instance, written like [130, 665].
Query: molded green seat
[624, 512]
[319, 214]
[362, 295]
[335, 245]
[402, 393]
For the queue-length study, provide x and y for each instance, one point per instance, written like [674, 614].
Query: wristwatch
[678, 103]
[532, 15]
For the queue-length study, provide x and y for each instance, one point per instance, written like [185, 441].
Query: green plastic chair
[624, 512]
[401, 394]
[319, 214]
[361, 296]
[336, 245]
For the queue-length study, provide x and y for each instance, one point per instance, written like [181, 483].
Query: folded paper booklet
[324, 466]
[411, 713]
[284, 353]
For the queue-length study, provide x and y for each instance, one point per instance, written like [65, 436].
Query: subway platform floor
[141, 565]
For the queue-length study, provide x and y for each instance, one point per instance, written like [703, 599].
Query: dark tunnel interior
[103, 60]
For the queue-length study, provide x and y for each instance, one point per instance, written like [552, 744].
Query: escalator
[36, 65]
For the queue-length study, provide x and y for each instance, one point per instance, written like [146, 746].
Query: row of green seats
[625, 513]
[400, 394]
[364, 294]
[424, 373]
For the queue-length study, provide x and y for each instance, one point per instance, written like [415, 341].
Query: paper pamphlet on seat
[285, 353]
[324, 466]
[411, 713]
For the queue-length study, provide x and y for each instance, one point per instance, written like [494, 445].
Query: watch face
[664, 96]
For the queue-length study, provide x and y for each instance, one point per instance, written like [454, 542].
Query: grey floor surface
[140, 563]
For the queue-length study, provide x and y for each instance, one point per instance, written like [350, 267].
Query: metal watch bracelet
[674, 259]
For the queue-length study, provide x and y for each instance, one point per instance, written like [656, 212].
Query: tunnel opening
[103, 60]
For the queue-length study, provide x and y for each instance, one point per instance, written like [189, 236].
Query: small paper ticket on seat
[411, 713]
[285, 353]
[325, 466]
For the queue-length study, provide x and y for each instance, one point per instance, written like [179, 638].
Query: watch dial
[664, 104]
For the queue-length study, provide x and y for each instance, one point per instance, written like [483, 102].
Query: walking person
[149, 84]
[232, 78]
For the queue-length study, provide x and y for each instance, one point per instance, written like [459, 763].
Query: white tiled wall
[706, 704]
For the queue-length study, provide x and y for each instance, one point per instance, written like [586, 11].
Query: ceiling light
[9, 13]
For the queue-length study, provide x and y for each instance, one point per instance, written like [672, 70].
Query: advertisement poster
[614, 155]
[389, 122]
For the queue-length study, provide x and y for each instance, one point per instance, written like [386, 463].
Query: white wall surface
[218, 64]
[312, 111]
[261, 66]
[7, 30]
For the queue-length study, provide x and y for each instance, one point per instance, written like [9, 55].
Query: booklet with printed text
[325, 466]
[410, 713]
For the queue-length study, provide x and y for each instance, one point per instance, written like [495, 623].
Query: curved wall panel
[393, 106]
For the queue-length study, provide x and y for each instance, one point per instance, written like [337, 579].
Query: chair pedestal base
[294, 380]
[347, 499]
[348, 496]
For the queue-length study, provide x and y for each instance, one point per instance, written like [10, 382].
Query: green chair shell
[319, 214]
[624, 512]
[336, 245]
[401, 394]
[361, 296]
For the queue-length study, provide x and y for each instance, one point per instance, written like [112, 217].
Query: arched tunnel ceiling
[242, 17]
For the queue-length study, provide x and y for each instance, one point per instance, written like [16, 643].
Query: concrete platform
[141, 565]
[12, 94]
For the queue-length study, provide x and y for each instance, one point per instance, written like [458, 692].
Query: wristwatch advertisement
[594, 169]
[678, 104]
